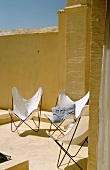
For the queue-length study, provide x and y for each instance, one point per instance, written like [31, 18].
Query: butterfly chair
[72, 110]
[25, 109]
[77, 135]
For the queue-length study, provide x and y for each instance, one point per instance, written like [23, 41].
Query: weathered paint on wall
[62, 48]
[98, 9]
[76, 2]
[77, 51]
[29, 60]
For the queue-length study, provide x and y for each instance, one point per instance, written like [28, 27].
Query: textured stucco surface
[97, 40]
[77, 55]
[29, 60]
[76, 2]
[61, 48]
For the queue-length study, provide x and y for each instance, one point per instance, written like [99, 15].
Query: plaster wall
[98, 10]
[28, 61]
[61, 48]
[76, 2]
[77, 51]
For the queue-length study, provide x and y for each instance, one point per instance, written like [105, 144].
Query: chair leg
[31, 127]
[86, 140]
[39, 114]
[39, 119]
[56, 126]
[13, 123]
[66, 150]
[65, 153]
[21, 122]
[37, 126]
[50, 126]
[80, 147]
[58, 164]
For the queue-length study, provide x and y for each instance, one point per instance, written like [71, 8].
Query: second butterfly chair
[64, 102]
[77, 135]
[25, 109]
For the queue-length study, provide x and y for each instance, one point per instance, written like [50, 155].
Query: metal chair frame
[59, 162]
[57, 125]
[37, 126]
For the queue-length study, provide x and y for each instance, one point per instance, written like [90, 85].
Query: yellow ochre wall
[61, 48]
[29, 60]
[75, 2]
[77, 67]
[88, 16]
[98, 11]
[68, 58]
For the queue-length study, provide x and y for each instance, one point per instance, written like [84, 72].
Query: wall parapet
[29, 31]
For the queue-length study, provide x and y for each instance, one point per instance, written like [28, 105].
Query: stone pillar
[97, 41]
[77, 64]
[62, 48]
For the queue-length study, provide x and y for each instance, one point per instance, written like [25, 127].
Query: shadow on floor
[81, 162]
[41, 133]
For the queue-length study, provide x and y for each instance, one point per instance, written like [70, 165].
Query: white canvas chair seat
[82, 130]
[77, 134]
[25, 109]
[64, 100]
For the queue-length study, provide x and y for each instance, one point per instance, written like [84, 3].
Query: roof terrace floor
[37, 147]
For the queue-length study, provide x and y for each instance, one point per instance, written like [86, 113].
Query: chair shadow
[81, 162]
[84, 145]
[40, 133]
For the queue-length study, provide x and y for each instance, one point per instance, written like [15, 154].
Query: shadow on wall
[81, 162]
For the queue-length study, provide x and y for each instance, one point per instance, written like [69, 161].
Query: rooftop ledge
[29, 31]
[15, 165]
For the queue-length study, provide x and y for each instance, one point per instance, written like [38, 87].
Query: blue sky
[19, 14]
